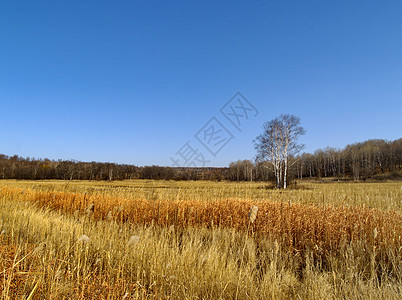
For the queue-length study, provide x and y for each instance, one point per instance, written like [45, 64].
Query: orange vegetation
[298, 226]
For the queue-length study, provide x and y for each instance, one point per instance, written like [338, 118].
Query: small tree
[277, 143]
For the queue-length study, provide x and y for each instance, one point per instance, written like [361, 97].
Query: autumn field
[143, 239]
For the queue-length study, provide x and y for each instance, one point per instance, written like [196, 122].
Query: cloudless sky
[133, 81]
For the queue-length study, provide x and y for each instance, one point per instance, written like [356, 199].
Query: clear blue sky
[133, 81]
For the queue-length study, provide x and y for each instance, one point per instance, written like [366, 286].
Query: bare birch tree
[291, 130]
[277, 143]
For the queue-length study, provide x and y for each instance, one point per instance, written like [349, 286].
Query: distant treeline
[16, 167]
[378, 159]
[370, 159]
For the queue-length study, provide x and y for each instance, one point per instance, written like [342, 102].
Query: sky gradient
[133, 81]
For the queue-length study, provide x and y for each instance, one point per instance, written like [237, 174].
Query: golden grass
[141, 246]
[384, 195]
[299, 226]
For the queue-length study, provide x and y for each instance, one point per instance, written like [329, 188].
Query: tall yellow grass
[135, 244]
[298, 226]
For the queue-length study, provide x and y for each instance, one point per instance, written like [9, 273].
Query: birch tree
[267, 146]
[277, 143]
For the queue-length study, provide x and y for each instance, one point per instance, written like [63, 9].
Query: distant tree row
[360, 161]
[16, 167]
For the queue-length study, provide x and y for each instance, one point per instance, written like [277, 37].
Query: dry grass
[384, 195]
[147, 247]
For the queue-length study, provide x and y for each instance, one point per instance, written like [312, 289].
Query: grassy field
[198, 240]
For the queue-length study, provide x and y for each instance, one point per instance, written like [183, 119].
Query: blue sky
[133, 81]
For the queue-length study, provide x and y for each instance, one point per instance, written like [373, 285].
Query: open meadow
[144, 239]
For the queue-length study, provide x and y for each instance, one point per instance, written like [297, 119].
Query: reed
[220, 248]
